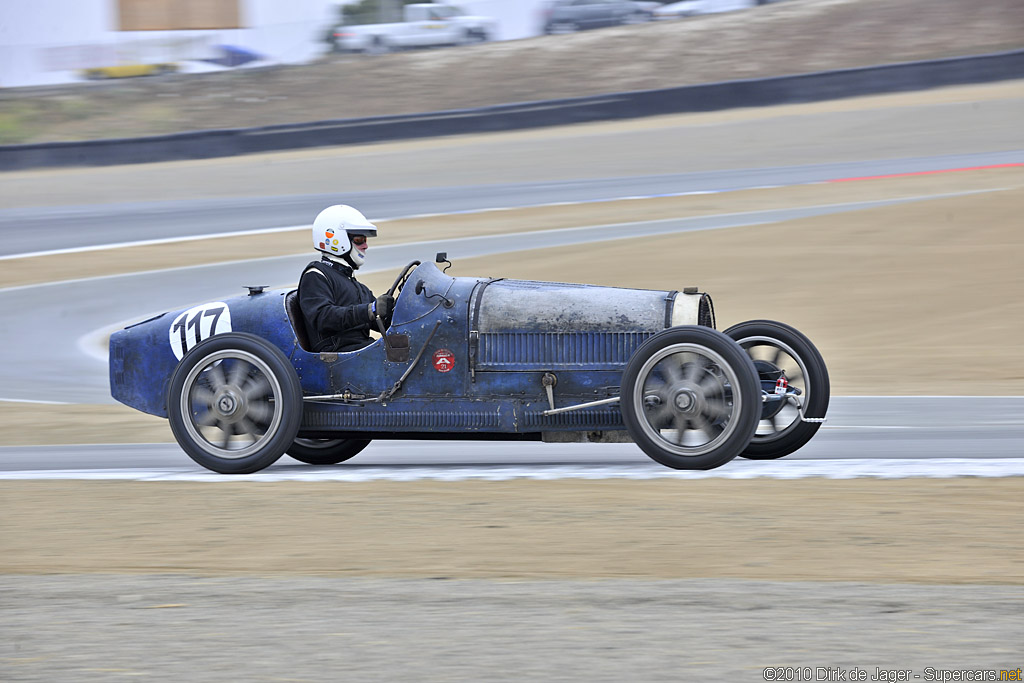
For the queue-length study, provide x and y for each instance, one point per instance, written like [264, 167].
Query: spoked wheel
[326, 451]
[690, 398]
[234, 403]
[775, 347]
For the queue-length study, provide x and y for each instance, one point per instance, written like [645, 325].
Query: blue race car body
[482, 358]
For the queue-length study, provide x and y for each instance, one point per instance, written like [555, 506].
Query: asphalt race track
[77, 314]
[865, 436]
[37, 229]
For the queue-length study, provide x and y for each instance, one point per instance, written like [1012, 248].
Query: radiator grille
[117, 364]
[706, 312]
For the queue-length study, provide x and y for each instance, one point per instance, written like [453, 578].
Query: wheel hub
[686, 400]
[227, 404]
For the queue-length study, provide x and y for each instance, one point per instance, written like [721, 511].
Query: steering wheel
[396, 289]
[402, 278]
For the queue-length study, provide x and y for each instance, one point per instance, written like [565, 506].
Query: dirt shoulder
[796, 36]
[918, 531]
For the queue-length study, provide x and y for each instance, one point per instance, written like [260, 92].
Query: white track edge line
[943, 468]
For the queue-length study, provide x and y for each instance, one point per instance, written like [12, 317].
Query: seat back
[291, 305]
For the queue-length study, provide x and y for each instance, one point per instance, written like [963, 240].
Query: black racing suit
[335, 307]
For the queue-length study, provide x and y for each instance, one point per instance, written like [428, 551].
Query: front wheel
[326, 451]
[690, 398]
[779, 350]
[234, 403]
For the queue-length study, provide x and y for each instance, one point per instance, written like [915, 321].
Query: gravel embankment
[795, 36]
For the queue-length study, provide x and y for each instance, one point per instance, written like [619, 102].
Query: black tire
[562, 27]
[326, 451]
[378, 46]
[686, 384]
[234, 403]
[767, 341]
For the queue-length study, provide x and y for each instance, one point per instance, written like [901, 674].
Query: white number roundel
[197, 324]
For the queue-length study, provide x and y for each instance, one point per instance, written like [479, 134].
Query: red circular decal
[444, 360]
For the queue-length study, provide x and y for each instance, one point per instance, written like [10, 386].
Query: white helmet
[333, 230]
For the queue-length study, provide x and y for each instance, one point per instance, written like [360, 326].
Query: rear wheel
[234, 403]
[326, 451]
[690, 398]
[775, 347]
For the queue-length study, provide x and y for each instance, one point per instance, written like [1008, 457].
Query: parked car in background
[688, 8]
[567, 16]
[128, 71]
[233, 55]
[424, 25]
[645, 9]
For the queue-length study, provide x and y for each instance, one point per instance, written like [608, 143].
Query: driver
[338, 310]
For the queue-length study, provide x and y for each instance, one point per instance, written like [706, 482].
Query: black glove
[382, 307]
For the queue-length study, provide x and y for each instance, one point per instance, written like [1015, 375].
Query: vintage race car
[475, 358]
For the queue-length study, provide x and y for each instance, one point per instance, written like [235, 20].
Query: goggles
[358, 240]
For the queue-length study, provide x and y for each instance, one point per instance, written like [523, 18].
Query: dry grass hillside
[795, 36]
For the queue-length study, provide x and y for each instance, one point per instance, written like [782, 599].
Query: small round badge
[444, 360]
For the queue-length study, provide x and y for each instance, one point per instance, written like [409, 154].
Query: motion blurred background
[924, 297]
[236, 63]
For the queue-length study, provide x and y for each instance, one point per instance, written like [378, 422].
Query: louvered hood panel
[525, 325]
